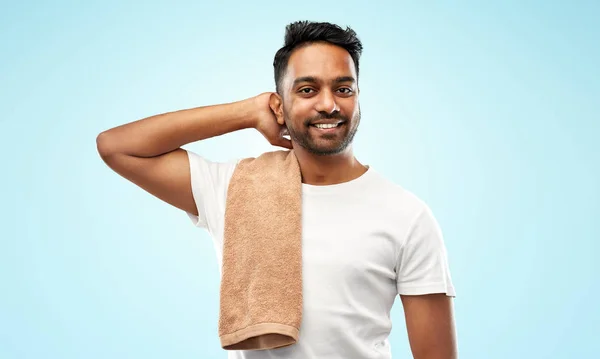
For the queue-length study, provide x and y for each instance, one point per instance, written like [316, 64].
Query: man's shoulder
[398, 197]
[197, 159]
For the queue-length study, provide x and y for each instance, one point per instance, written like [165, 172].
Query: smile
[328, 128]
[327, 125]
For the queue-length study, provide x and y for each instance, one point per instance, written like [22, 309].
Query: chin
[327, 151]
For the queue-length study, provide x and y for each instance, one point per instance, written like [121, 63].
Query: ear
[276, 104]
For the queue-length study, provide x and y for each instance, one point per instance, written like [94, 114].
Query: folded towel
[261, 283]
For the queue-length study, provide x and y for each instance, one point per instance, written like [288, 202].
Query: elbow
[105, 145]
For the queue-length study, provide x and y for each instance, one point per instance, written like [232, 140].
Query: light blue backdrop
[488, 112]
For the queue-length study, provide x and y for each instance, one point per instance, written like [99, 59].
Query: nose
[326, 103]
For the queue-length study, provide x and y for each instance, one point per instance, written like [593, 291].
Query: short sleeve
[209, 181]
[422, 266]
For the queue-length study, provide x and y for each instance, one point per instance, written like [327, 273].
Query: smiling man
[365, 240]
[325, 127]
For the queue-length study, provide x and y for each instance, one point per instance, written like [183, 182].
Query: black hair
[301, 33]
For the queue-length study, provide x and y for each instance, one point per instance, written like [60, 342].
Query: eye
[346, 90]
[305, 90]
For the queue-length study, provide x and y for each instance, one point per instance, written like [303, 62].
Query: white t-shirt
[363, 243]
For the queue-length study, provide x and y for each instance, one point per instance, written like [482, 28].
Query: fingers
[284, 142]
[282, 139]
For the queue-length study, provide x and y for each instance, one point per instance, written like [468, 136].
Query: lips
[337, 123]
[326, 126]
[328, 130]
[336, 118]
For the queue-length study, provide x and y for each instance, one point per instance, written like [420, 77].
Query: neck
[330, 169]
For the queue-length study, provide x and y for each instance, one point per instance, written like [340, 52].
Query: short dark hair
[301, 33]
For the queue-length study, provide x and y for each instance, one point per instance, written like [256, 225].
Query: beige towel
[261, 284]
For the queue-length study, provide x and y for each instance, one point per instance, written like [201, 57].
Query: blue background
[488, 112]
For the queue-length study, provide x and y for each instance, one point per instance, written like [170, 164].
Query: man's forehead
[323, 63]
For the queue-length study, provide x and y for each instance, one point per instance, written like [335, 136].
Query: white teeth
[326, 125]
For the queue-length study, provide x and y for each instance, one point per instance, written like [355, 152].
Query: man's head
[316, 77]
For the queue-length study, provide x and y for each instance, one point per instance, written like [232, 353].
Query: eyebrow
[313, 79]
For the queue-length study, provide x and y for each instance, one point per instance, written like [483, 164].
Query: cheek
[350, 105]
[298, 113]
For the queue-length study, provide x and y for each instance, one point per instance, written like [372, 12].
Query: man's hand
[266, 122]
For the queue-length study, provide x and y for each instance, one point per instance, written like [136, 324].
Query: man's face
[320, 91]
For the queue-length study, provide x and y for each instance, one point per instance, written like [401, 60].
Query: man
[364, 239]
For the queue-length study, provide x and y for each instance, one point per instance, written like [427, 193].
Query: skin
[148, 153]
[430, 326]
[320, 84]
